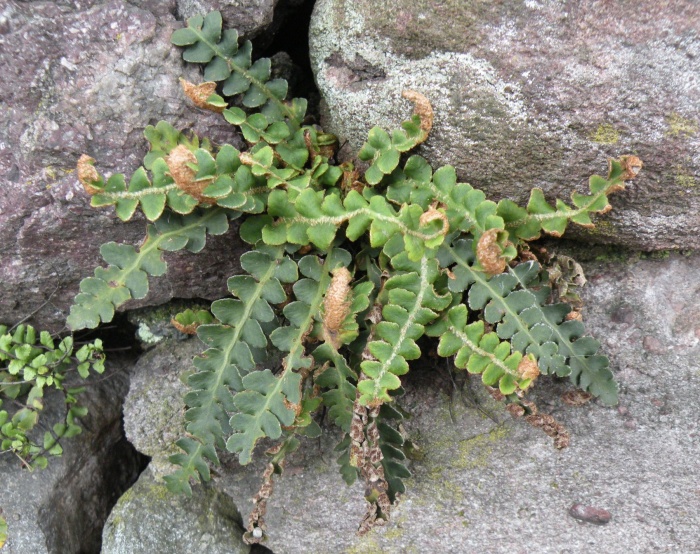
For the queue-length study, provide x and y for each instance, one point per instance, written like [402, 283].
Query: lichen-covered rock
[87, 78]
[63, 508]
[532, 94]
[483, 482]
[150, 520]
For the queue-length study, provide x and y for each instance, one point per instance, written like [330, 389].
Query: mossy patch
[605, 134]
[685, 180]
[680, 126]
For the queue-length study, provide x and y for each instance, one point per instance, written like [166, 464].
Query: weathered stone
[532, 94]
[63, 508]
[88, 78]
[483, 482]
[150, 520]
[249, 17]
[155, 396]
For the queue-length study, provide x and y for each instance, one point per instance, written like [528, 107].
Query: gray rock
[531, 94]
[483, 482]
[87, 78]
[150, 520]
[249, 17]
[155, 396]
[63, 508]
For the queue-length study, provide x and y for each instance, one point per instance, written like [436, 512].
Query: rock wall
[483, 482]
[532, 93]
[88, 77]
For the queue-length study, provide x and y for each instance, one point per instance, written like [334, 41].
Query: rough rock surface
[63, 508]
[483, 482]
[87, 77]
[532, 93]
[150, 520]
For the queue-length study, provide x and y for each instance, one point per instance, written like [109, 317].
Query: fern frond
[481, 352]
[316, 216]
[516, 302]
[225, 62]
[528, 223]
[383, 151]
[338, 380]
[229, 358]
[194, 465]
[412, 303]
[127, 274]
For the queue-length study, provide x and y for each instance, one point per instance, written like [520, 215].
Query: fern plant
[350, 265]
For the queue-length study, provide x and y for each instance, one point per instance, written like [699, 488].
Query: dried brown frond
[88, 175]
[189, 329]
[336, 305]
[551, 427]
[574, 315]
[184, 175]
[422, 108]
[632, 166]
[489, 253]
[576, 397]
[528, 368]
[256, 521]
[199, 94]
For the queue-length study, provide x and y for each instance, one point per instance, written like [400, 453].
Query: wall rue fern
[349, 266]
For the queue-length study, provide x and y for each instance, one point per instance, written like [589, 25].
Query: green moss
[605, 134]
[366, 544]
[658, 255]
[475, 452]
[685, 180]
[680, 126]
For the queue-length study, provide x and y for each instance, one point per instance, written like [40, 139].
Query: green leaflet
[383, 151]
[519, 310]
[232, 341]
[467, 208]
[150, 195]
[193, 465]
[267, 401]
[31, 362]
[226, 62]
[126, 276]
[412, 303]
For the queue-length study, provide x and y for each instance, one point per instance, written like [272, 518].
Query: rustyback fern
[350, 266]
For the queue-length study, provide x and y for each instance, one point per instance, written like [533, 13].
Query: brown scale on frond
[199, 94]
[366, 455]
[632, 165]
[88, 175]
[528, 368]
[422, 108]
[551, 427]
[434, 214]
[184, 175]
[576, 397]
[336, 305]
[189, 329]
[489, 253]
